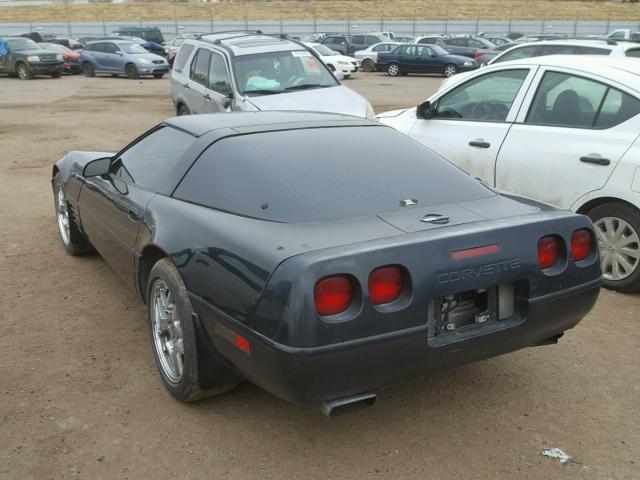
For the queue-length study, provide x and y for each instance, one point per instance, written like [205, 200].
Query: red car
[71, 58]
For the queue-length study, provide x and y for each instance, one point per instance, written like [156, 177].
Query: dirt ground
[80, 396]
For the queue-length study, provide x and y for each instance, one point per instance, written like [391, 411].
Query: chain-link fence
[299, 27]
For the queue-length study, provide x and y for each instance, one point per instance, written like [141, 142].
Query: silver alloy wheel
[449, 71]
[393, 70]
[619, 248]
[167, 331]
[62, 213]
[23, 73]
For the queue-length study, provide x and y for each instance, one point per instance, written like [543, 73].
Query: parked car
[403, 39]
[349, 44]
[497, 40]
[368, 58]
[171, 49]
[67, 42]
[118, 57]
[413, 58]
[150, 34]
[151, 47]
[624, 34]
[320, 256]
[541, 36]
[71, 59]
[461, 45]
[250, 71]
[484, 56]
[336, 62]
[23, 57]
[559, 129]
[568, 47]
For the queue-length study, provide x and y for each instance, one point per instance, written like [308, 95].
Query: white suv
[560, 129]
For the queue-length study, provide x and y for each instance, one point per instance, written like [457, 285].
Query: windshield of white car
[132, 48]
[278, 72]
[325, 51]
[21, 44]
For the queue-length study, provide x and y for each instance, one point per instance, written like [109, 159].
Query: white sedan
[347, 66]
[563, 130]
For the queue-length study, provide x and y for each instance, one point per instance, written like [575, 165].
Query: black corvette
[322, 257]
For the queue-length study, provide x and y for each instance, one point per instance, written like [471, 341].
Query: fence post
[382, 21]
[477, 25]
[315, 22]
[211, 28]
[348, 21]
[510, 19]
[175, 19]
[575, 26]
[246, 19]
[414, 21]
[609, 23]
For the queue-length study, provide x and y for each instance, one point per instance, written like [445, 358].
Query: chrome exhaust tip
[333, 408]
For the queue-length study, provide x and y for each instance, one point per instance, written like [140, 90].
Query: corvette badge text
[479, 271]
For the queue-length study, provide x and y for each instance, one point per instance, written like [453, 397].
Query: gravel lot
[80, 396]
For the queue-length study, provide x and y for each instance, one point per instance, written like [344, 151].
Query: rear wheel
[368, 65]
[617, 228]
[73, 240]
[393, 69]
[450, 70]
[173, 334]
[56, 75]
[88, 69]
[132, 71]
[115, 75]
[24, 72]
[158, 75]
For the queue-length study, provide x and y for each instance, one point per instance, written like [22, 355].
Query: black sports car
[320, 256]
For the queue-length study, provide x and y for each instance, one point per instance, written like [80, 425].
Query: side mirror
[97, 167]
[228, 103]
[425, 110]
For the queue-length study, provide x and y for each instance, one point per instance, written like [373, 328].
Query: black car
[23, 57]
[465, 46]
[287, 249]
[415, 58]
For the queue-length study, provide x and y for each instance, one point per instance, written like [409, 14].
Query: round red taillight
[333, 295]
[547, 252]
[385, 284]
[581, 244]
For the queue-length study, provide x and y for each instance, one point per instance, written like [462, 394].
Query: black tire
[158, 75]
[183, 110]
[449, 70]
[56, 75]
[186, 389]
[115, 75]
[74, 241]
[393, 69]
[346, 77]
[368, 65]
[23, 71]
[132, 71]
[618, 211]
[88, 69]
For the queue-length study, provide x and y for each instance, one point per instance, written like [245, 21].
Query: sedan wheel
[368, 65]
[88, 70]
[619, 248]
[393, 70]
[450, 70]
[132, 71]
[167, 332]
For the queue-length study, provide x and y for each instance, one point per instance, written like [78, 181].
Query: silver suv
[250, 71]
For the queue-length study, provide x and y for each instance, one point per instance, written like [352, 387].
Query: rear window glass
[183, 55]
[323, 174]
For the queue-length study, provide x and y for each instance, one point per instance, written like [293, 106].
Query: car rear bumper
[315, 375]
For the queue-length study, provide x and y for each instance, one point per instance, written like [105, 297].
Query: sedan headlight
[371, 115]
[33, 58]
[59, 57]
[341, 62]
[469, 64]
[144, 61]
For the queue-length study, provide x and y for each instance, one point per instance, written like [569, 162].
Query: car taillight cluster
[582, 245]
[333, 295]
